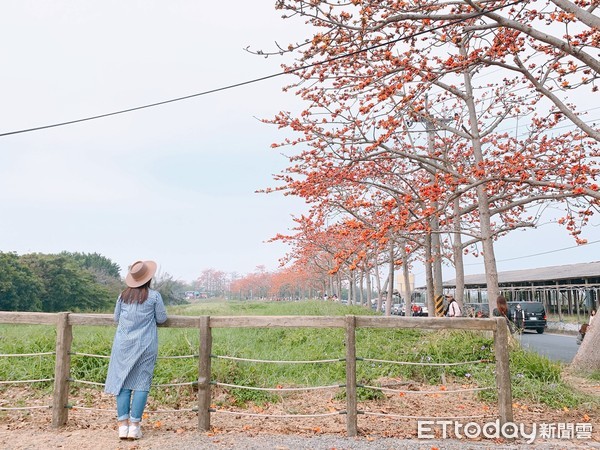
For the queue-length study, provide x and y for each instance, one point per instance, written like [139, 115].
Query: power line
[528, 256]
[538, 254]
[549, 251]
[256, 80]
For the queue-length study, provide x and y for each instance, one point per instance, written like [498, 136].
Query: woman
[453, 307]
[501, 309]
[135, 347]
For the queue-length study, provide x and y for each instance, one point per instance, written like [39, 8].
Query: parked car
[478, 310]
[534, 315]
[419, 309]
[398, 309]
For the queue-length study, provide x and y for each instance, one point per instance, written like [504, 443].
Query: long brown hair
[136, 295]
[502, 305]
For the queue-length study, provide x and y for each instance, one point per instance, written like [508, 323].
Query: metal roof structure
[579, 271]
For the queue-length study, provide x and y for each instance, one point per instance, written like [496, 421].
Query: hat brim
[132, 283]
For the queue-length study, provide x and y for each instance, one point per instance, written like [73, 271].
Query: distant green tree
[95, 263]
[105, 271]
[67, 286]
[20, 288]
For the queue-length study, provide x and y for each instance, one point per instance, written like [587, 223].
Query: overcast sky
[175, 183]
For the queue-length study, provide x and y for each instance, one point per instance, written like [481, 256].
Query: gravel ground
[104, 439]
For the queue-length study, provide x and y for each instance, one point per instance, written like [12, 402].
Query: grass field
[533, 377]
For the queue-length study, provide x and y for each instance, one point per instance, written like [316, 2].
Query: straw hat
[140, 272]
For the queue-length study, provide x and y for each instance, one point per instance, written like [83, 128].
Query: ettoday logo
[426, 429]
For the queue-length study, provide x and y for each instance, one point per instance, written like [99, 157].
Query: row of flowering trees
[299, 282]
[432, 128]
[500, 91]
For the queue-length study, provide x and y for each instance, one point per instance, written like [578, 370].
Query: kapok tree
[350, 91]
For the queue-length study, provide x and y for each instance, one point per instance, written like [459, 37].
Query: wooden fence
[64, 323]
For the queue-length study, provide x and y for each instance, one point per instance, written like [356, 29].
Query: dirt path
[380, 427]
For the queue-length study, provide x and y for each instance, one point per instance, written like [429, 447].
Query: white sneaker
[135, 432]
[123, 431]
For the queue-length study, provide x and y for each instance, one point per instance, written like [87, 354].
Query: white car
[398, 309]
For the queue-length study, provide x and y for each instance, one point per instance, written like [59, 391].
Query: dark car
[479, 310]
[534, 315]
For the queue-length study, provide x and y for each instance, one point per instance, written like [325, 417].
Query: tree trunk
[487, 241]
[406, 272]
[351, 293]
[361, 296]
[390, 292]
[378, 283]
[331, 287]
[587, 357]
[457, 250]
[369, 287]
[434, 223]
[429, 274]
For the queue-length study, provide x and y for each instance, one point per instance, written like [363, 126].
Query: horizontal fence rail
[64, 336]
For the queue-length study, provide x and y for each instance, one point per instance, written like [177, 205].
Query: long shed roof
[552, 273]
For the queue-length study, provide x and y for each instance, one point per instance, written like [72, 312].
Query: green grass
[534, 378]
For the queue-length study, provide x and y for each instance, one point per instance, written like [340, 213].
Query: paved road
[558, 347]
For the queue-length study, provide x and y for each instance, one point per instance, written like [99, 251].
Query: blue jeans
[125, 404]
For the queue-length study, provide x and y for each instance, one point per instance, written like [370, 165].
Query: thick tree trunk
[588, 355]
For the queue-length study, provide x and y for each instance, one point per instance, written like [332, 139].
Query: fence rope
[280, 416]
[479, 361]
[7, 355]
[399, 416]
[452, 391]
[25, 407]
[94, 383]
[318, 361]
[310, 388]
[167, 411]
[90, 354]
[179, 356]
[27, 381]
[112, 411]
[186, 383]
[108, 356]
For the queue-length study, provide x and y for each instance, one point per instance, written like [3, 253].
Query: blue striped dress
[135, 346]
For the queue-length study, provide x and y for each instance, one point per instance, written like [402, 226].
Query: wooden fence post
[204, 374]
[351, 419]
[62, 368]
[503, 371]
